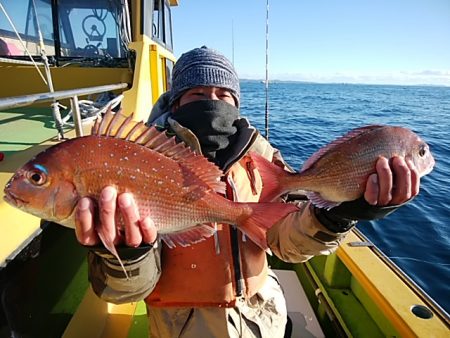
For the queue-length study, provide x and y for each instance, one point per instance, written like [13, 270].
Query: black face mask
[212, 121]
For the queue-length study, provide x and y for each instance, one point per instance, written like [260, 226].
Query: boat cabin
[85, 44]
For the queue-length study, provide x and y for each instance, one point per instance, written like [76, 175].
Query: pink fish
[339, 171]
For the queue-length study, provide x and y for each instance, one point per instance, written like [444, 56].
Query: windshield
[90, 28]
[85, 28]
[19, 17]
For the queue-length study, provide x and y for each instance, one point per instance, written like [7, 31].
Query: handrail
[20, 62]
[26, 100]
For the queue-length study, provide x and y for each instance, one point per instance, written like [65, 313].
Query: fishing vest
[216, 271]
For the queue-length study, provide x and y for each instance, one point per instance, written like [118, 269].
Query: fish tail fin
[262, 217]
[272, 178]
[112, 248]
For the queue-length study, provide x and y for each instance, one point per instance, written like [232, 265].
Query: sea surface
[306, 116]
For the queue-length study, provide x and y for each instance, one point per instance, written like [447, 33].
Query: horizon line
[348, 82]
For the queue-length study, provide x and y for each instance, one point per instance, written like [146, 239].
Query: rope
[91, 110]
[417, 260]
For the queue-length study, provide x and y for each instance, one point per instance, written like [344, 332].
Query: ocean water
[304, 117]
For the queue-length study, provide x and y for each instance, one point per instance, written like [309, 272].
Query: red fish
[179, 189]
[339, 171]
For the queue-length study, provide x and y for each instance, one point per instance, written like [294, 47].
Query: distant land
[262, 81]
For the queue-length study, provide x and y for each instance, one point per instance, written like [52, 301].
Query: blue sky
[377, 41]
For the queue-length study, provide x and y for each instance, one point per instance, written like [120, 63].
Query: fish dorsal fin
[189, 236]
[330, 146]
[117, 125]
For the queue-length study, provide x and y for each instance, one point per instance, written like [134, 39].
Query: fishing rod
[267, 73]
[232, 42]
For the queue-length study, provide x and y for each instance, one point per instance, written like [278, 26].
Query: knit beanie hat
[203, 67]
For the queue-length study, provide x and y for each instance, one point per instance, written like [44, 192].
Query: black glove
[125, 252]
[343, 217]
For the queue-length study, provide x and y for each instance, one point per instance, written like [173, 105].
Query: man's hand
[136, 230]
[395, 182]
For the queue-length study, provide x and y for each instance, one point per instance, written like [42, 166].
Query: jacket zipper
[235, 250]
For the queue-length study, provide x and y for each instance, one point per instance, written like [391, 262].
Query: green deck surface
[21, 128]
[139, 326]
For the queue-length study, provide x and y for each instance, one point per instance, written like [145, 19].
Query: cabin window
[85, 28]
[157, 27]
[28, 18]
[162, 24]
[91, 28]
[167, 26]
[147, 18]
[168, 65]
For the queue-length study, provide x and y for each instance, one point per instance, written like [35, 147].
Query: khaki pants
[263, 315]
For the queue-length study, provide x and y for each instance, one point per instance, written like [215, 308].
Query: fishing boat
[62, 63]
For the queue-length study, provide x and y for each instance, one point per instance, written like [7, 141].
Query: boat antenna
[267, 73]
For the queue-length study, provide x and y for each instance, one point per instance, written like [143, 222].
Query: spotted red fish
[180, 190]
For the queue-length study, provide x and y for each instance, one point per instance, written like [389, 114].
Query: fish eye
[37, 177]
[422, 150]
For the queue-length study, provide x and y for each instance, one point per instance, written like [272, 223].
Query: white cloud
[424, 77]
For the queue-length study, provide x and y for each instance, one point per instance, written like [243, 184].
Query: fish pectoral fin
[319, 201]
[189, 236]
[108, 243]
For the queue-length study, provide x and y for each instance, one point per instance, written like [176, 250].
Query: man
[221, 287]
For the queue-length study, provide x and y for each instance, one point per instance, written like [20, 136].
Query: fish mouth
[429, 168]
[14, 200]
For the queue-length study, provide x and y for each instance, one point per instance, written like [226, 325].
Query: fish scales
[157, 188]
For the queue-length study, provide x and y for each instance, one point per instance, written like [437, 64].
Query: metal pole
[76, 116]
[26, 100]
[267, 71]
[232, 42]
